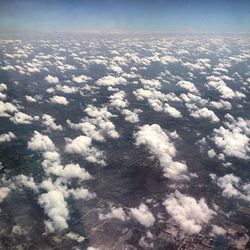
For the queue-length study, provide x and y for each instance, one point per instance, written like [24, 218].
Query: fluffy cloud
[117, 213]
[143, 215]
[111, 81]
[187, 212]
[4, 191]
[82, 194]
[187, 86]
[219, 85]
[7, 137]
[24, 181]
[56, 208]
[6, 109]
[232, 186]
[59, 100]
[82, 145]
[41, 143]
[160, 145]
[30, 99]
[69, 171]
[81, 79]
[205, 113]
[232, 142]
[49, 122]
[51, 79]
[22, 118]
[172, 111]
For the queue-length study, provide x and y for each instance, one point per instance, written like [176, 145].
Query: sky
[136, 16]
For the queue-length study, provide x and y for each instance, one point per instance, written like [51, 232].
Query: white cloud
[7, 137]
[82, 145]
[56, 208]
[51, 79]
[187, 86]
[49, 122]
[227, 93]
[82, 193]
[69, 171]
[117, 213]
[7, 108]
[4, 191]
[59, 100]
[81, 79]
[66, 89]
[41, 143]
[111, 81]
[205, 113]
[232, 142]
[23, 118]
[160, 145]
[30, 99]
[25, 181]
[143, 215]
[232, 186]
[187, 212]
[217, 230]
[172, 111]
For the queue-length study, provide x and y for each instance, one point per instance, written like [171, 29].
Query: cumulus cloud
[205, 113]
[7, 137]
[41, 143]
[82, 194]
[4, 191]
[51, 79]
[161, 145]
[232, 142]
[66, 89]
[189, 86]
[172, 111]
[30, 99]
[82, 145]
[49, 122]
[23, 118]
[117, 213]
[143, 215]
[232, 186]
[187, 212]
[219, 85]
[217, 230]
[56, 208]
[111, 81]
[69, 171]
[7, 108]
[25, 181]
[59, 100]
[81, 79]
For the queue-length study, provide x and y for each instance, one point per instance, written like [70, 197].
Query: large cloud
[4, 191]
[51, 79]
[111, 81]
[59, 100]
[82, 145]
[56, 208]
[143, 215]
[41, 143]
[7, 137]
[187, 212]
[232, 186]
[161, 145]
[205, 113]
[232, 142]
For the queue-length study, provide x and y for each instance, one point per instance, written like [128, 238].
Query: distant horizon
[141, 16]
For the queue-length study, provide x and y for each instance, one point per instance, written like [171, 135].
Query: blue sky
[125, 16]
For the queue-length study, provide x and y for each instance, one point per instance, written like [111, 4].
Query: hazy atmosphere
[125, 125]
